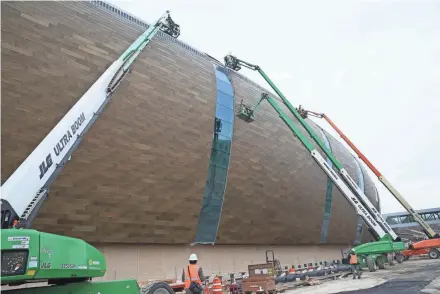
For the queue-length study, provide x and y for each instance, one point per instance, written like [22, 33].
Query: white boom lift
[25, 191]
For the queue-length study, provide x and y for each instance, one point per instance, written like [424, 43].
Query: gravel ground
[412, 276]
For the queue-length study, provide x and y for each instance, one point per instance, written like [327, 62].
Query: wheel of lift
[157, 288]
[380, 262]
[390, 258]
[370, 263]
[434, 253]
[400, 257]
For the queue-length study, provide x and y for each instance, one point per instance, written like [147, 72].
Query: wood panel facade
[139, 175]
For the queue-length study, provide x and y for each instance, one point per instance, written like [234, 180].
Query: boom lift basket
[245, 112]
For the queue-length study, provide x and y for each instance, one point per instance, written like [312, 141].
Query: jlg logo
[45, 165]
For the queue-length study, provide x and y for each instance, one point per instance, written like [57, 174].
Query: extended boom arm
[23, 194]
[235, 64]
[426, 228]
[247, 114]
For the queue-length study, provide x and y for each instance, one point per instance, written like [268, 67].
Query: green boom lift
[66, 264]
[373, 253]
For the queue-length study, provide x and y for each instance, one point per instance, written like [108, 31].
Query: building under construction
[167, 165]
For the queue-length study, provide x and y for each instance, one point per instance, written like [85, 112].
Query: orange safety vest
[291, 270]
[353, 259]
[194, 273]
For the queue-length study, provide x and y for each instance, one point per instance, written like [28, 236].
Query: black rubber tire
[434, 253]
[400, 257]
[391, 262]
[370, 263]
[154, 286]
[380, 262]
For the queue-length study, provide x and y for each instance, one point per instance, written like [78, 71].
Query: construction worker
[193, 276]
[292, 270]
[354, 264]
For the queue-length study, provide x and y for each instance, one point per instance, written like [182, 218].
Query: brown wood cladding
[139, 175]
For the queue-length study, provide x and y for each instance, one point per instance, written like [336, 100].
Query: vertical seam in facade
[212, 203]
[328, 196]
[361, 184]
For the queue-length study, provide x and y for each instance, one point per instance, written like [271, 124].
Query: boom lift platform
[69, 264]
[433, 242]
[388, 241]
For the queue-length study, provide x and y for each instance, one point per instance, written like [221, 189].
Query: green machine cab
[32, 256]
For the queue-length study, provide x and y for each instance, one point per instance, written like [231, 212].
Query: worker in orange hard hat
[354, 264]
[193, 276]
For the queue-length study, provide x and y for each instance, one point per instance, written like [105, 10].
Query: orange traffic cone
[217, 286]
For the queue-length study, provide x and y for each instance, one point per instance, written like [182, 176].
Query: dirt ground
[412, 276]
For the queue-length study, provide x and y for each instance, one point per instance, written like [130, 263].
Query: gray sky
[372, 66]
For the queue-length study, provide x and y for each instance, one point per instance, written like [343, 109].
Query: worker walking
[354, 264]
[193, 276]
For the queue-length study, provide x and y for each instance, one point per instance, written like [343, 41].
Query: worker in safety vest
[354, 264]
[192, 273]
[292, 270]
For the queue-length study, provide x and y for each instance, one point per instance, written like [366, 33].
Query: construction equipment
[261, 279]
[276, 263]
[69, 264]
[433, 243]
[371, 253]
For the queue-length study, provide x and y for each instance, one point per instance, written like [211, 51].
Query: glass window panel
[221, 76]
[217, 194]
[226, 129]
[219, 162]
[217, 174]
[224, 113]
[224, 87]
[210, 212]
[225, 99]
[219, 158]
[222, 143]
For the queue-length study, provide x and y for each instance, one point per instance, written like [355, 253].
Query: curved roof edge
[135, 20]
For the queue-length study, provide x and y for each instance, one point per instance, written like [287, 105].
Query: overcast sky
[372, 66]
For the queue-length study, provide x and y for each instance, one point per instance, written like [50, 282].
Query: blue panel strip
[212, 204]
[361, 184]
[328, 196]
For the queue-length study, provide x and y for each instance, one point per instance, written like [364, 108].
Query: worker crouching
[193, 276]
[354, 264]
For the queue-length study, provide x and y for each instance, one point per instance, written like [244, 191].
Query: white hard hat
[192, 257]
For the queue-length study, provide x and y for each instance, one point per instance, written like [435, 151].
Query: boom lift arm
[25, 191]
[236, 64]
[247, 114]
[425, 226]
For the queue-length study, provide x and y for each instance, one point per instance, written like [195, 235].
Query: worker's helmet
[192, 257]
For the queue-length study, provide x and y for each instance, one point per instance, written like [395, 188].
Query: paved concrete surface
[413, 276]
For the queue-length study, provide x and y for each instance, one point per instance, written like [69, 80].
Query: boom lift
[372, 252]
[433, 241]
[31, 256]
